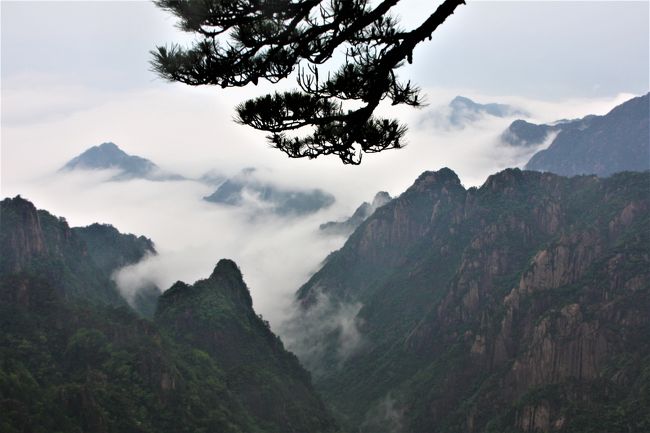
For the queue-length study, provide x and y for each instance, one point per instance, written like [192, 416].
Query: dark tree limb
[244, 41]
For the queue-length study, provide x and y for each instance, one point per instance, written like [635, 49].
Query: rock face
[601, 145]
[346, 227]
[109, 156]
[518, 306]
[21, 235]
[78, 261]
[267, 197]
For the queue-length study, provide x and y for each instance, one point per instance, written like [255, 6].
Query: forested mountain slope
[75, 358]
[518, 306]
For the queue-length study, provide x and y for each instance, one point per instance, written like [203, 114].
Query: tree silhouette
[242, 41]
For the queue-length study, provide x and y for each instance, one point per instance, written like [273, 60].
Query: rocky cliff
[78, 261]
[518, 306]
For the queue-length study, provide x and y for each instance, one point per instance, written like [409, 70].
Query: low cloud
[276, 254]
[326, 331]
[386, 416]
[189, 131]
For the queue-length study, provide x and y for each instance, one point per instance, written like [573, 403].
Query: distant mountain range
[245, 187]
[110, 156]
[347, 226]
[519, 306]
[463, 111]
[601, 145]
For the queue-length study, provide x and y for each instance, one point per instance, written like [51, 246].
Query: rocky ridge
[601, 145]
[508, 299]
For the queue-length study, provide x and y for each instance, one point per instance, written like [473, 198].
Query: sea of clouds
[191, 132]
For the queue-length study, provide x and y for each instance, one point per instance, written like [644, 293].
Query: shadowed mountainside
[601, 145]
[518, 306]
[75, 357]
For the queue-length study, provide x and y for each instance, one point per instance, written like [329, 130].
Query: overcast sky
[76, 74]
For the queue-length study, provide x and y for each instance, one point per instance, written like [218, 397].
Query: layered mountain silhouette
[246, 188]
[76, 358]
[601, 145]
[518, 306]
[463, 111]
[347, 226]
[109, 156]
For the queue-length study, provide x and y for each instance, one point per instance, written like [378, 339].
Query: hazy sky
[536, 49]
[76, 74]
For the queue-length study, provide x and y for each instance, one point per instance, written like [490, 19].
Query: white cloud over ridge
[190, 131]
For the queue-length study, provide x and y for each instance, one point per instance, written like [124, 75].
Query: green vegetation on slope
[73, 360]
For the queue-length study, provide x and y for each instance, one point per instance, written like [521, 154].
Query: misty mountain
[78, 261]
[245, 187]
[525, 134]
[110, 156]
[601, 145]
[111, 250]
[514, 307]
[213, 177]
[521, 133]
[464, 111]
[76, 359]
[347, 226]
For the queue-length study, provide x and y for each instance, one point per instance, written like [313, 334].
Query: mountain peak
[380, 199]
[504, 176]
[461, 100]
[227, 276]
[109, 156]
[227, 268]
[466, 109]
[19, 202]
[106, 149]
[443, 176]
[108, 145]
